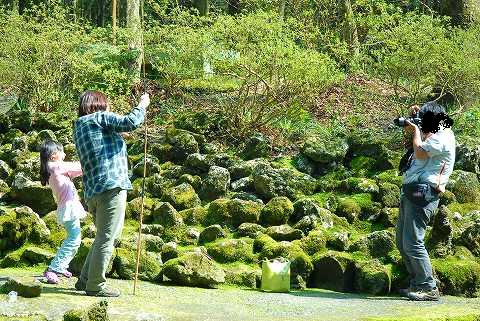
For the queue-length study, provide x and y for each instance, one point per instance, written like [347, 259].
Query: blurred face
[58, 156]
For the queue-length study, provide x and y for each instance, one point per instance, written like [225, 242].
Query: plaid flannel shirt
[102, 151]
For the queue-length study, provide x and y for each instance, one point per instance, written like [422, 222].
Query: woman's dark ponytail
[47, 149]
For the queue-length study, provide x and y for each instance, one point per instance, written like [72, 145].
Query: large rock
[96, 312]
[463, 12]
[244, 212]
[348, 208]
[314, 242]
[215, 184]
[439, 242]
[333, 271]
[233, 250]
[241, 275]
[277, 211]
[198, 162]
[284, 233]
[376, 244]
[153, 166]
[194, 216]
[125, 263]
[32, 194]
[194, 269]
[25, 287]
[5, 170]
[471, 238]
[77, 262]
[256, 146]
[182, 197]
[134, 208]
[304, 207]
[388, 217]
[287, 182]
[465, 186]
[365, 144]
[250, 230]
[27, 163]
[372, 277]
[218, 212]
[35, 255]
[359, 185]
[244, 169]
[42, 136]
[468, 155]
[183, 143]
[166, 215]
[389, 195]
[20, 225]
[211, 233]
[325, 151]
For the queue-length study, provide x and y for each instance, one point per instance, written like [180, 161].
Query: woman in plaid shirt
[103, 156]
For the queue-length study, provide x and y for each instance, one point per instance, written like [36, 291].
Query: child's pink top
[69, 206]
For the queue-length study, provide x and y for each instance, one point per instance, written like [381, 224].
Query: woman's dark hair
[47, 149]
[433, 117]
[91, 102]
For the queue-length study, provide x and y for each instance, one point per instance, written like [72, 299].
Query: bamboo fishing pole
[139, 239]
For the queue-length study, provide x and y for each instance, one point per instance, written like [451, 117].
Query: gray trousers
[410, 233]
[108, 210]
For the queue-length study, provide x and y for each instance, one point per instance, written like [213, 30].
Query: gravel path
[159, 302]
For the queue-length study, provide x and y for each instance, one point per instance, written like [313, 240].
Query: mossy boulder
[77, 262]
[194, 216]
[211, 233]
[5, 170]
[376, 244]
[465, 186]
[194, 269]
[388, 216]
[183, 143]
[359, 185]
[447, 198]
[348, 208]
[325, 151]
[389, 195]
[362, 165]
[333, 271]
[182, 197]
[231, 250]
[251, 230]
[284, 233]
[194, 180]
[338, 240]
[277, 211]
[314, 242]
[458, 276]
[389, 176]
[28, 163]
[244, 211]
[198, 162]
[124, 264]
[468, 155]
[244, 184]
[305, 165]
[244, 169]
[439, 241]
[256, 146]
[96, 312]
[32, 194]
[364, 143]
[42, 136]
[241, 275]
[166, 215]
[471, 238]
[24, 286]
[218, 212]
[20, 225]
[35, 255]
[134, 208]
[153, 229]
[153, 166]
[215, 184]
[371, 277]
[170, 251]
[304, 207]
[307, 223]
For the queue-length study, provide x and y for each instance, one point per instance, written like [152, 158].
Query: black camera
[402, 121]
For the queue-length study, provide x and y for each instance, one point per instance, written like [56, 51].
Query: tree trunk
[135, 41]
[462, 12]
[202, 6]
[114, 19]
[281, 9]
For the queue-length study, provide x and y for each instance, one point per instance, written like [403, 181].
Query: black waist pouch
[420, 194]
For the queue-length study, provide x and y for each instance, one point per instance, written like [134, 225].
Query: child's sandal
[52, 277]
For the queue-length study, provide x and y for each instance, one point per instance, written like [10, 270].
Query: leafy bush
[48, 60]
[277, 77]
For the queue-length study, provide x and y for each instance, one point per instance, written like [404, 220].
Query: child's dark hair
[91, 102]
[47, 149]
[433, 117]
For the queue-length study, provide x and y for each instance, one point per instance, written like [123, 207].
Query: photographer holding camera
[426, 171]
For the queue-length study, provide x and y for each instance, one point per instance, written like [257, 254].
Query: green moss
[463, 208]
[277, 211]
[362, 165]
[218, 212]
[348, 208]
[232, 250]
[240, 274]
[284, 162]
[314, 242]
[244, 211]
[194, 216]
[261, 241]
[182, 197]
[389, 176]
[359, 185]
[459, 277]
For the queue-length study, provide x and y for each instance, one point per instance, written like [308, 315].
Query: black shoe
[80, 286]
[425, 295]
[107, 292]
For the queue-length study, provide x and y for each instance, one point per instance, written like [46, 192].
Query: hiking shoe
[107, 292]
[80, 286]
[404, 292]
[51, 277]
[425, 295]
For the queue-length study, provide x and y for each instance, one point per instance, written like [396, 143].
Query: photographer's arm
[419, 152]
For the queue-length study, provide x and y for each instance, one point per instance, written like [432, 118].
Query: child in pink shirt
[58, 174]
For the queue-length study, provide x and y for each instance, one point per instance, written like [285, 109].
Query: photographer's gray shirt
[438, 167]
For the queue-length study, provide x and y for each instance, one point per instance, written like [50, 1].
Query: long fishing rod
[139, 239]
